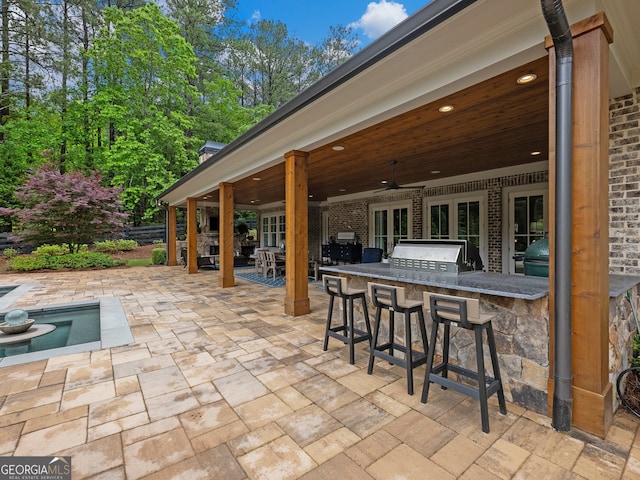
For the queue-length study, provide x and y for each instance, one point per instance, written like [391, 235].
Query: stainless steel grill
[438, 256]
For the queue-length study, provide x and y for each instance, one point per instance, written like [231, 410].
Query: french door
[527, 223]
[389, 223]
[273, 230]
[460, 218]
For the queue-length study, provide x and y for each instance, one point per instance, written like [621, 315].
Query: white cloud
[255, 17]
[380, 17]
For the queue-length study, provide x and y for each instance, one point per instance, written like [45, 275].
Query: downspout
[563, 45]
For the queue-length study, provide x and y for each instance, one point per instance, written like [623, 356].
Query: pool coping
[10, 297]
[114, 331]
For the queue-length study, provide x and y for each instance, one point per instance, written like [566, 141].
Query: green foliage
[50, 250]
[159, 256]
[138, 262]
[28, 135]
[158, 242]
[635, 359]
[10, 253]
[119, 245]
[69, 260]
[26, 264]
[145, 96]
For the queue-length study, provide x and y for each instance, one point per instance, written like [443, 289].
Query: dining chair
[272, 264]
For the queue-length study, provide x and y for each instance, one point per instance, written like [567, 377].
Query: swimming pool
[80, 327]
[6, 289]
[10, 293]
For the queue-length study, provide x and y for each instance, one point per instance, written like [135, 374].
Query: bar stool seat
[392, 299]
[347, 332]
[464, 313]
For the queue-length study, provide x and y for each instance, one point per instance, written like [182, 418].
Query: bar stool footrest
[419, 358]
[492, 384]
[358, 335]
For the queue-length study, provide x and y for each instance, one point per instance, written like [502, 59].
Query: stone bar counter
[521, 323]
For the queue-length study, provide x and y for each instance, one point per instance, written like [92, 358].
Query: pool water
[74, 325]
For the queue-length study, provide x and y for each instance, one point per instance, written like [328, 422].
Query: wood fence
[143, 235]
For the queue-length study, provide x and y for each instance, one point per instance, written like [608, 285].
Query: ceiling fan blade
[393, 185]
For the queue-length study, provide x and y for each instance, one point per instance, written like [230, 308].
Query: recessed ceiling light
[445, 108]
[435, 171]
[310, 196]
[526, 78]
[257, 179]
[383, 181]
[343, 189]
[536, 153]
[337, 148]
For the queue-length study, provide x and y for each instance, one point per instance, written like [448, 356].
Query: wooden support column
[192, 235]
[226, 235]
[591, 389]
[297, 233]
[171, 237]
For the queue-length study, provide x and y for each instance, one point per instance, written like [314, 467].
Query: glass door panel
[469, 222]
[527, 225]
[400, 224]
[381, 228]
[439, 221]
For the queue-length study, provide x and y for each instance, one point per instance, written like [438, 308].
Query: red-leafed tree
[66, 209]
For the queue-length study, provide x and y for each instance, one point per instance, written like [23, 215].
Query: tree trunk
[4, 67]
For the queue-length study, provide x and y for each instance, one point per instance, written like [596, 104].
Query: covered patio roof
[383, 105]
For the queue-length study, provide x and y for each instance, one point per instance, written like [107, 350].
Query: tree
[270, 66]
[338, 46]
[66, 209]
[27, 143]
[143, 97]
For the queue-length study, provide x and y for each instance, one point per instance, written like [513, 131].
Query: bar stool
[465, 313]
[337, 287]
[386, 297]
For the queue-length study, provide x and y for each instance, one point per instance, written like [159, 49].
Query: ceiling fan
[393, 185]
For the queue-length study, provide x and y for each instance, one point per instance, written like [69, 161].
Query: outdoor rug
[258, 278]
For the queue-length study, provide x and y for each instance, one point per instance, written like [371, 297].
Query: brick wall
[314, 227]
[353, 215]
[624, 184]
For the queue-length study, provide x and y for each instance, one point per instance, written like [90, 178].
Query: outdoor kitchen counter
[521, 307]
[499, 284]
[511, 286]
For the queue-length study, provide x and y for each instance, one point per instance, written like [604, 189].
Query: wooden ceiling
[494, 124]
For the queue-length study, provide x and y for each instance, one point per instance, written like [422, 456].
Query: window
[273, 230]
[388, 224]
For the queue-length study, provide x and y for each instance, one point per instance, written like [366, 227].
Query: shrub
[158, 242]
[25, 264]
[50, 251]
[120, 245]
[10, 253]
[69, 260]
[158, 256]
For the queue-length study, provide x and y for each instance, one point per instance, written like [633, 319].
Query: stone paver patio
[220, 384]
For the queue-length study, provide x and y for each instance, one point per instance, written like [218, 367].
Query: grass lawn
[138, 262]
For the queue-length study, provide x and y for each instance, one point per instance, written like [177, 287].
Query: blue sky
[309, 20]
